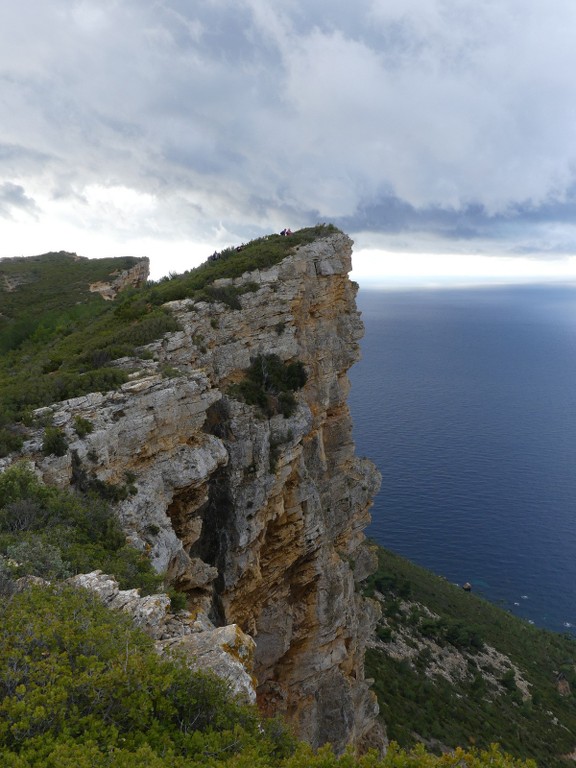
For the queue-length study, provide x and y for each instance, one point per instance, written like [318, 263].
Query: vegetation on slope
[53, 533]
[44, 289]
[80, 687]
[430, 627]
[59, 341]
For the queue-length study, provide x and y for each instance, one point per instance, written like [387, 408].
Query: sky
[439, 134]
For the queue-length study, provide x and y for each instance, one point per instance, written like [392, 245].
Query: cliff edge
[255, 511]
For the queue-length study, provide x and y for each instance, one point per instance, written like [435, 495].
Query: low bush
[49, 532]
[54, 442]
[452, 631]
[225, 295]
[269, 383]
[74, 672]
[83, 426]
[10, 442]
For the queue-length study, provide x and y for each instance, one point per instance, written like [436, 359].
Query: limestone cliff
[259, 519]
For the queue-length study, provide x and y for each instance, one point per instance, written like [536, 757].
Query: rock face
[134, 277]
[259, 519]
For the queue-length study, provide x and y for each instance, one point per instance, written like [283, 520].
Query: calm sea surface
[466, 402]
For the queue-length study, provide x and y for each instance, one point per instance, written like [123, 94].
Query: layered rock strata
[258, 519]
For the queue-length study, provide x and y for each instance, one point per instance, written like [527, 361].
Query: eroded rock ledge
[259, 520]
[227, 651]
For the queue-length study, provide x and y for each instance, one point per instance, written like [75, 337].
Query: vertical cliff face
[258, 517]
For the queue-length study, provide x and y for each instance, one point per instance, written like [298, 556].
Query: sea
[465, 399]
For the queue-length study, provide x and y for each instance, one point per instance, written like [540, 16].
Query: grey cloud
[13, 197]
[14, 158]
[405, 116]
[473, 221]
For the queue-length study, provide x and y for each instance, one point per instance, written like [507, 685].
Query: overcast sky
[434, 132]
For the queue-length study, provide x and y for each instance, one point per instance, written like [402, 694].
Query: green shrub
[227, 294]
[37, 556]
[54, 442]
[384, 634]
[286, 404]
[9, 442]
[508, 680]
[453, 632]
[178, 600]
[269, 383]
[132, 568]
[88, 482]
[74, 672]
[79, 532]
[168, 372]
[83, 426]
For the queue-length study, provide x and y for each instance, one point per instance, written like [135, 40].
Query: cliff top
[60, 339]
[235, 261]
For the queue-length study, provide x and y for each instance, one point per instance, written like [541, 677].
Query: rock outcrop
[259, 518]
[227, 651]
[134, 277]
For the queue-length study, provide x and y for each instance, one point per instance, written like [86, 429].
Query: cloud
[428, 120]
[13, 198]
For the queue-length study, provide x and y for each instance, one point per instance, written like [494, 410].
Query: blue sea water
[466, 402]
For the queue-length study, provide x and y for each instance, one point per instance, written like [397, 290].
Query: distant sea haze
[466, 402]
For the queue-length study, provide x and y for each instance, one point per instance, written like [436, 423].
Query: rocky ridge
[259, 519]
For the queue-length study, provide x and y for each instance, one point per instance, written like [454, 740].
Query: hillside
[452, 669]
[80, 687]
[49, 307]
[39, 285]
